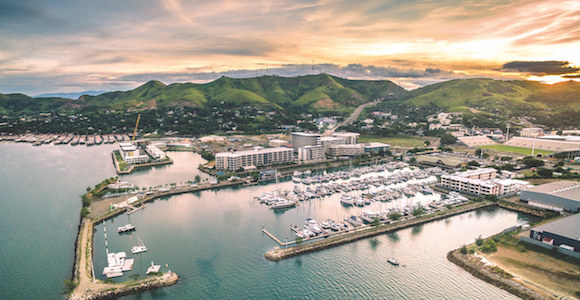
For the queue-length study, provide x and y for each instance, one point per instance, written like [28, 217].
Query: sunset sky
[74, 46]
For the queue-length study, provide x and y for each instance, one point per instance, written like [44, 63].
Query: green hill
[496, 95]
[19, 104]
[318, 91]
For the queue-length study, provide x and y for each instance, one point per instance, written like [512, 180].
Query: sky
[106, 45]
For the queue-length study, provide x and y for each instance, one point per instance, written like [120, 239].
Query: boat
[282, 204]
[140, 248]
[296, 179]
[393, 261]
[126, 228]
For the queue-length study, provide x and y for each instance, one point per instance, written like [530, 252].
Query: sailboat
[140, 248]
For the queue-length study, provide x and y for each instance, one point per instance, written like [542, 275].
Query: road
[350, 119]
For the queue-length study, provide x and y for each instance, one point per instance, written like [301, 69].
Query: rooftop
[568, 227]
[375, 145]
[563, 188]
[246, 152]
[346, 134]
[305, 134]
[447, 161]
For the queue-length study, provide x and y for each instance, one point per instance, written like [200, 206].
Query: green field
[394, 141]
[518, 150]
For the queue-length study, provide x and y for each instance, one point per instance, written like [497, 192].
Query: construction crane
[136, 125]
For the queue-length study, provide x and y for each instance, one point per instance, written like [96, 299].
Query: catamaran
[140, 248]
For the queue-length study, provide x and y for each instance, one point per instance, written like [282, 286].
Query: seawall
[166, 279]
[280, 254]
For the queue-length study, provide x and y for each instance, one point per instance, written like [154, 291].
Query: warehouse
[561, 232]
[560, 195]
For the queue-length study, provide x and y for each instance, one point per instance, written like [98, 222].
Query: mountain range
[320, 92]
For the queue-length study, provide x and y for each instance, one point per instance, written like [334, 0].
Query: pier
[365, 232]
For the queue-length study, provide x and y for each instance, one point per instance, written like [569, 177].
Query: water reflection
[393, 237]
[417, 229]
[374, 243]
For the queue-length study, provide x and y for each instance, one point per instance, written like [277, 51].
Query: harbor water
[213, 239]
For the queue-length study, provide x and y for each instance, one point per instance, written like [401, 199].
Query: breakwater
[166, 279]
[280, 254]
[160, 194]
[478, 269]
[536, 212]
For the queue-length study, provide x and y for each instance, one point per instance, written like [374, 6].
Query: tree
[298, 240]
[418, 211]
[84, 212]
[376, 221]
[395, 216]
[479, 240]
[473, 163]
[463, 249]
[448, 139]
[544, 172]
[85, 201]
[69, 286]
[427, 143]
[88, 189]
[531, 162]
[491, 197]
[197, 178]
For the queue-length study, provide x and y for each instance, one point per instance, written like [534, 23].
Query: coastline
[479, 270]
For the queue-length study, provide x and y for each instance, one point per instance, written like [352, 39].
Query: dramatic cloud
[59, 45]
[540, 67]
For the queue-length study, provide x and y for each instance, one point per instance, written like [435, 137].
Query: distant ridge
[70, 95]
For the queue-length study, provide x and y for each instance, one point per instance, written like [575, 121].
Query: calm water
[213, 239]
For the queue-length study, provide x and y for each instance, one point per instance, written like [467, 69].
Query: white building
[301, 139]
[531, 132]
[131, 154]
[350, 138]
[481, 182]
[345, 150]
[327, 141]
[260, 157]
[310, 153]
[277, 143]
[155, 152]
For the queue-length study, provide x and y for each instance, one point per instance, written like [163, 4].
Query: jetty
[367, 231]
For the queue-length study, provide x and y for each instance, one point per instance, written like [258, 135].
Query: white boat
[393, 261]
[126, 228]
[140, 248]
[296, 179]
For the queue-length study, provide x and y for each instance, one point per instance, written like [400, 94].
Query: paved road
[350, 119]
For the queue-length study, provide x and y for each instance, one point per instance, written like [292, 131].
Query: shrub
[395, 216]
[489, 246]
[85, 200]
[463, 249]
[84, 212]
[479, 240]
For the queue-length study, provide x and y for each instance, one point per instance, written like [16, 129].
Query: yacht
[140, 248]
[126, 228]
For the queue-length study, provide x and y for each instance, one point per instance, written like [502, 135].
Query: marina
[215, 236]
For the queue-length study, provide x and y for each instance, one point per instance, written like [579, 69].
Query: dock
[128, 265]
[132, 209]
[153, 268]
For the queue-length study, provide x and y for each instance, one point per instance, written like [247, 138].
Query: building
[469, 186]
[561, 232]
[482, 182]
[481, 174]
[301, 140]
[155, 152]
[558, 196]
[345, 150]
[375, 147]
[310, 153]
[277, 143]
[442, 162]
[260, 157]
[131, 154]
[531, 132]
[350, 138]
[327, 141]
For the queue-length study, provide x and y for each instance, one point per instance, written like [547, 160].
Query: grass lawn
[410, 141]
[518, 150]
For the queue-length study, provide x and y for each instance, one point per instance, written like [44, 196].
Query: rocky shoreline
[280, 254]
[166, 280]
[478, 269]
